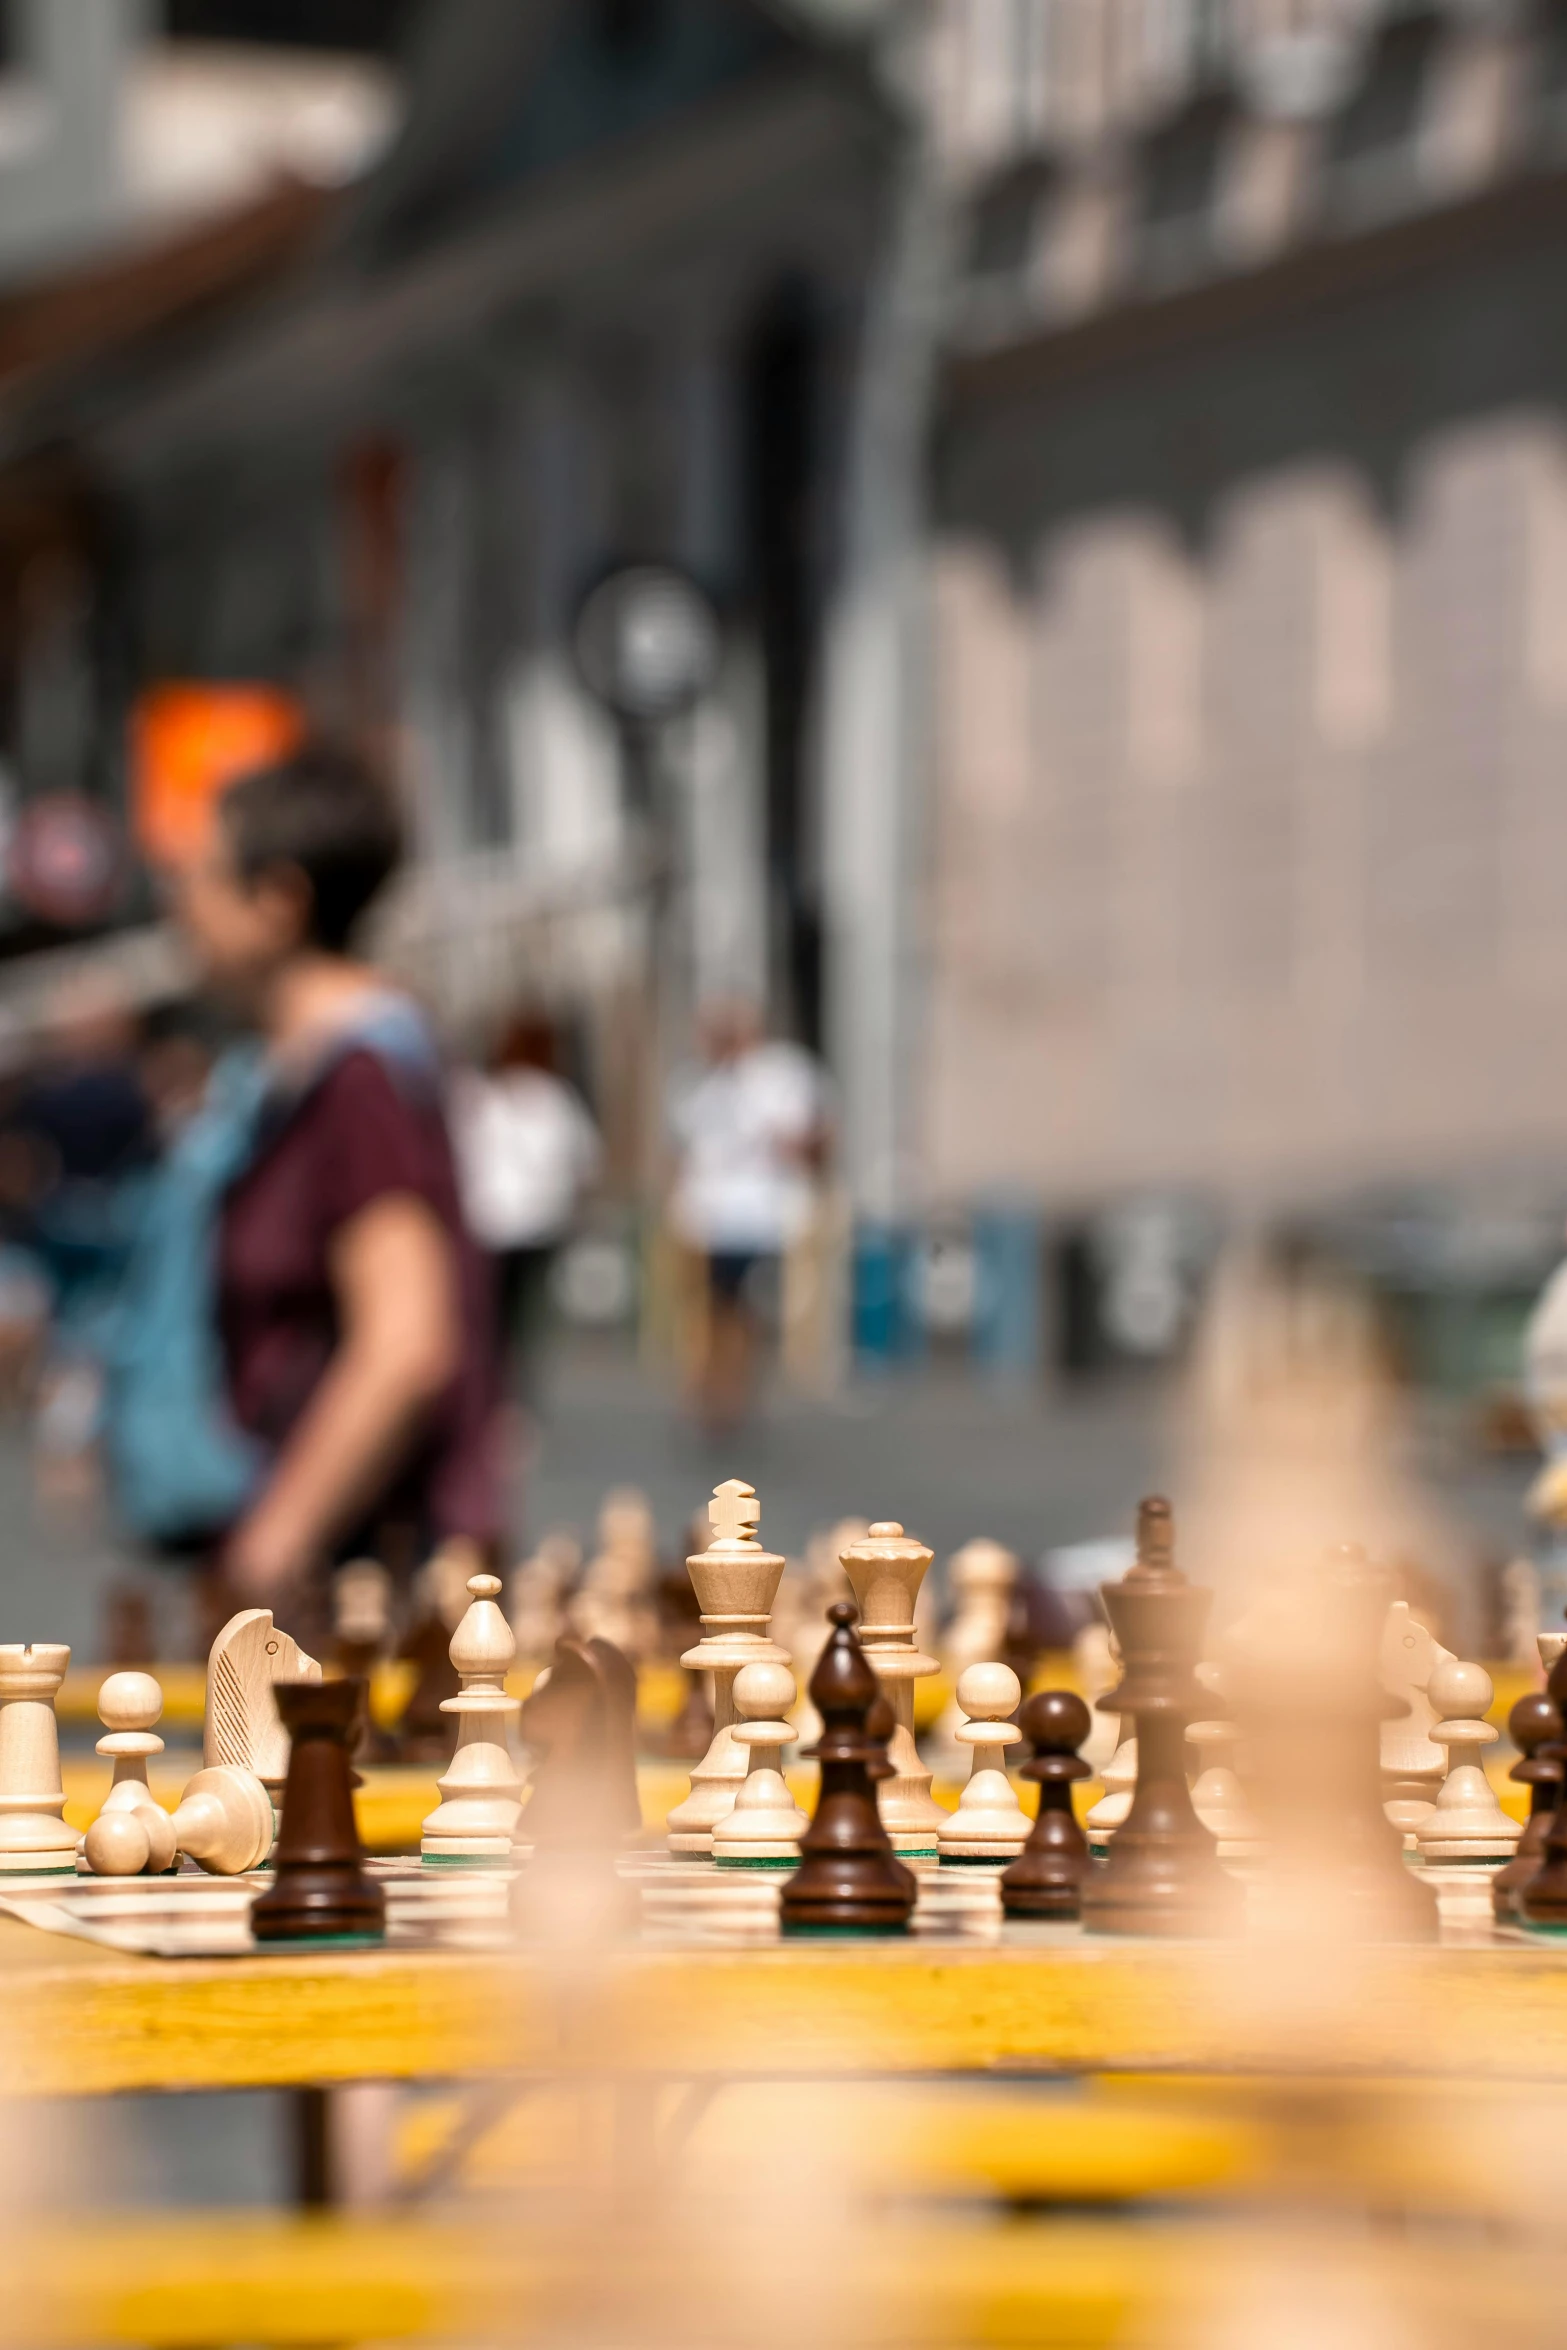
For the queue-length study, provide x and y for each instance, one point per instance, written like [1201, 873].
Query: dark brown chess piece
[1542, 1898]
[1046, 1879]
[690, 1734]
[424, 1733]
[1163, 1875]
[128, 1637]
[576, 1818]
[1536, 1729]
[880, 1725]
[321, 1891]
[361, 1622]
[849, 1877]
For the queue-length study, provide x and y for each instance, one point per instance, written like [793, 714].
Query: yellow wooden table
[74, 2019]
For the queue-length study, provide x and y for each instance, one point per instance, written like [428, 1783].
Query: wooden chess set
[1292, 1866]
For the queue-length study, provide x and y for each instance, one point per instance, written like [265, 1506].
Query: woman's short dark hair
[326, 812]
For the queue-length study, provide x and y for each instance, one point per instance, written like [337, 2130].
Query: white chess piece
[362, 1603]
[1096, 1665]
[1412, 1764]
[242, 1726]
[800, 1612]
[885, 1569]
[1466, 1823]
[763, 1830]
[736, 1581]
[481, 1792]
[128, 1706]
[1119, 1781]
[989, 1823]
[536, 1596]
[1218, 1798]
[614, 1600]
[981, 1578]
[224, 1821]
[33, 1836]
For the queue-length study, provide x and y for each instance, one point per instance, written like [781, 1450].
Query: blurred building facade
[1251, 490]
[1121, 442]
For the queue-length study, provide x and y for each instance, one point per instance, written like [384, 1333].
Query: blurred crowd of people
[276, 1275]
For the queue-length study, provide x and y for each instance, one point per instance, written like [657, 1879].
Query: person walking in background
[527, 1150]
[351, 1303]
[750, 1133]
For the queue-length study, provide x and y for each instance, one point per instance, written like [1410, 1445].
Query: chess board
[192, 1915]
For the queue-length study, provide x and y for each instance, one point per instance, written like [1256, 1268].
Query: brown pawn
[1542, 1899]
[424, 1732]
[849, 1877]
[1163, 1875]
[1046, 1879]
[321, 1891]
[1535, 1728]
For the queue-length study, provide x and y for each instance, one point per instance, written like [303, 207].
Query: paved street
[942, 1451]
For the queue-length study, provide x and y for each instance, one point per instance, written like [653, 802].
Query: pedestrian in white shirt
[526, 1152]
[749, 1129]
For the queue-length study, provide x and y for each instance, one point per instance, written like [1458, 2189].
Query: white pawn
[34, 1838]
[224, 1821]
[128, 1706]
[989, 1823]
[1218, 1798]
[1119, 1781]
[1466, 1822]
[481, 1793]
[763, 1830]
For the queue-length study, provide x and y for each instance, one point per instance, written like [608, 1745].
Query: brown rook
[321, 1889]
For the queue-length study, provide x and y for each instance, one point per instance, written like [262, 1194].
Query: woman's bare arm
[395, 1280]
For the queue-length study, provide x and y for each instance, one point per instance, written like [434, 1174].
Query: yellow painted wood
[178, 2282]
[76, 2019]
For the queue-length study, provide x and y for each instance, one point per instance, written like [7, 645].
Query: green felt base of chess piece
[794, 1928]
[282, 1945]
[469, 1860]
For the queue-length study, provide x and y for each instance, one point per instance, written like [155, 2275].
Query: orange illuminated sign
[187, 743]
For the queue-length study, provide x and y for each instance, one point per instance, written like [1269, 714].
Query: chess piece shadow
[1046, 1880]
[849, 1878]
[576, 1821]
[321, 1891]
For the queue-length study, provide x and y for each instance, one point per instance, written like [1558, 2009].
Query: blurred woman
[353, 1305]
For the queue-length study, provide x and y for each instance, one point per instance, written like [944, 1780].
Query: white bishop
[481, 1793]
